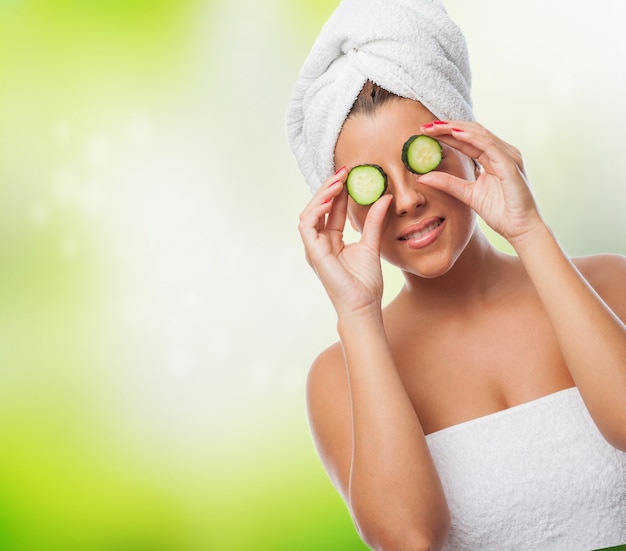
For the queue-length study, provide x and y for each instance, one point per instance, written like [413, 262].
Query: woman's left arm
[591, 335]
[591, 332]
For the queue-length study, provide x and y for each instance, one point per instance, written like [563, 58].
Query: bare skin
[472, 332]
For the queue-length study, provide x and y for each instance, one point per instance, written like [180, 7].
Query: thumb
[373, 226]
[456, 187]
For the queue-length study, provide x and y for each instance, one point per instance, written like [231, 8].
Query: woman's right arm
[364, 425]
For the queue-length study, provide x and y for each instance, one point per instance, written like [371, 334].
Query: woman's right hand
[351, 273]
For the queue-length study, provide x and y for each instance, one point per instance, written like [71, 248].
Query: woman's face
[425, 229]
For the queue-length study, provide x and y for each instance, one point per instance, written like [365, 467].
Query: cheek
[460, 165]
[356, 216]
[467, 226]
[469, 169]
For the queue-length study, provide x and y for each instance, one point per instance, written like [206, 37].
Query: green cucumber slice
[366, 183]
[421, 154]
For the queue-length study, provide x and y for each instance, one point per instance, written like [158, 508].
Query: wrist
[526, 241]
[355, 323]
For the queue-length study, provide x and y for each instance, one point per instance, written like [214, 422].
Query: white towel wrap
[538, 477]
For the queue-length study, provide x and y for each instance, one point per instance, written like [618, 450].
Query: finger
[313, 219]
[314, 214]
[338, 213]
[457, 136]
[373, 227]
[475, 141]
[494, 152]
[329, 188]
[327, 193]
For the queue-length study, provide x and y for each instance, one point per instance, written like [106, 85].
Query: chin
[433, 273]
[427, 268]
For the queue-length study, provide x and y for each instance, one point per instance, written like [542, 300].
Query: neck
[474, 278]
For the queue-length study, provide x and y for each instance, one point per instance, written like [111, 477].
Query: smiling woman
[413, 409]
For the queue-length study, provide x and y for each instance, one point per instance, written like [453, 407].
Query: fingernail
[429, 125]
[457, 130]
[327, 201]
[440, 122]
[334, 183]
[339, 170]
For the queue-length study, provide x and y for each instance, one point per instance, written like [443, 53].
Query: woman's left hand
[501, 194]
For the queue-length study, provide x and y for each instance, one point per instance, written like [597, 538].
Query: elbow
[409, 541]
[407, 537]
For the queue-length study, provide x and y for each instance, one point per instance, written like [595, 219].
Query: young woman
[484, 407]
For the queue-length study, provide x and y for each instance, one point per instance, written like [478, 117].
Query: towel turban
[410, 48]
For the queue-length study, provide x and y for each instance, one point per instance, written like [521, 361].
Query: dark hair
[370, 98]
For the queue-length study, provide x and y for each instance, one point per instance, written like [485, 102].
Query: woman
[484, 407]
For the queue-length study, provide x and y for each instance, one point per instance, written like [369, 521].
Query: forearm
[394, 487]
[591, 337]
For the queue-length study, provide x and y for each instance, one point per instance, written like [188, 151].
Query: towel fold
[409, 47]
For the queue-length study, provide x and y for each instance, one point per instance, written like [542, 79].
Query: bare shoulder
[602, 271]
[327, 380]
[330, 416]
[606, 273]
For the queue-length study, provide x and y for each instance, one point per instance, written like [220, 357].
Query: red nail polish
[429, 125]
[457, 130]
[334, 183]
[339, 170]
[440, 122]
[327, 201]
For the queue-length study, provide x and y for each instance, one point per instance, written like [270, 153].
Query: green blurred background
[157, 317]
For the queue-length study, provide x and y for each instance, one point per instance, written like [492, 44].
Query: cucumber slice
[421, 154]
[366, 183]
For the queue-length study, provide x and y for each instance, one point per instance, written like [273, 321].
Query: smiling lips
[423, 234]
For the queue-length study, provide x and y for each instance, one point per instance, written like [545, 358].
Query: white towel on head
[409, 47]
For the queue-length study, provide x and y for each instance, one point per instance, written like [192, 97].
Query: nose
[408, 194]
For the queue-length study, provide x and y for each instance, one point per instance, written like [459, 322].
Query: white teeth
[422, 232]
